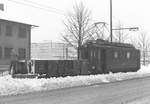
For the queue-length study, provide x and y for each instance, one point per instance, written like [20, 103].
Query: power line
[33, 6]
[35, 3]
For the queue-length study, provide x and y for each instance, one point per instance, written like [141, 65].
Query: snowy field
[10, 86]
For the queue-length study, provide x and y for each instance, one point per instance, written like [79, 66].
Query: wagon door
[92, 60]
[100, 60]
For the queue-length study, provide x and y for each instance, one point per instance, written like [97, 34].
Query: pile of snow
[12, 86]
[144, 69]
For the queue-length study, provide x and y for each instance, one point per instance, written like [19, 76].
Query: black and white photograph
[74, 52]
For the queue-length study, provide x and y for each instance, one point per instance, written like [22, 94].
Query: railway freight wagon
[57, 68]
[104, 57]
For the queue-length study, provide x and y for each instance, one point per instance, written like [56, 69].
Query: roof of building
[1, 19]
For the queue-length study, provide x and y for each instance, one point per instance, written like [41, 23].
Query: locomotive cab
[95, 57]
[96, 60]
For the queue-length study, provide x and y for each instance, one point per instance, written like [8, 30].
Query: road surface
[113, 93]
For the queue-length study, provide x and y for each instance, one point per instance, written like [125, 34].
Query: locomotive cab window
[115, 54]
[92, 53]
[128, 55]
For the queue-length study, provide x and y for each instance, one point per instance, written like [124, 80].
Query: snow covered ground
[10, 86]
[145, 100]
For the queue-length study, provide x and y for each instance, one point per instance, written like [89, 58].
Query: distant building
[52, 51]
[14, 35]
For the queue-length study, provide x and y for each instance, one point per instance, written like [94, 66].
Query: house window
[22, 53]
[22, 32]
[8, 52]
[8, 30]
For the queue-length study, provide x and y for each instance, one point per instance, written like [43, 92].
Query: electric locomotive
[104, 56]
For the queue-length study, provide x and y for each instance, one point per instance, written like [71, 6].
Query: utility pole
[111, 35]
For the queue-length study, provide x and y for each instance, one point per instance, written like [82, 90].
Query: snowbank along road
[122, 92]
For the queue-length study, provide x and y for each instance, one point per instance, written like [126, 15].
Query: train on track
[98, 57]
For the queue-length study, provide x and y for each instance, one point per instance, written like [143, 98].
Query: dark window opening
[8, 30]
[22, 32]
[8, 52]
[22, 53]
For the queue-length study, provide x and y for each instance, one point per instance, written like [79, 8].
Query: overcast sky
[131, 13]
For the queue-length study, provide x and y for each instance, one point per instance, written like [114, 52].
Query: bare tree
[142, 43]
[77, 26]
[120, 35]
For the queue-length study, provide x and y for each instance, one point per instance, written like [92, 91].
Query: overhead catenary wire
[48, 8]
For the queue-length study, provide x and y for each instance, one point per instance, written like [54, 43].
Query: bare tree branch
[143, 43]
[77, 26]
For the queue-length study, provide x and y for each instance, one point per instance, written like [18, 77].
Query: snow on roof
[8, 20]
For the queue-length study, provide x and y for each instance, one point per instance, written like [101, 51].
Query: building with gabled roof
[14, 35]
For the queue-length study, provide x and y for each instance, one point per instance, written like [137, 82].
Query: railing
[4, 70]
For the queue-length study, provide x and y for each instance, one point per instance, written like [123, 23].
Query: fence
[145, 57]
[52, 51]
[4, 70]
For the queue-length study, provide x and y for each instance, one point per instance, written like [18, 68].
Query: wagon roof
[104, 43]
